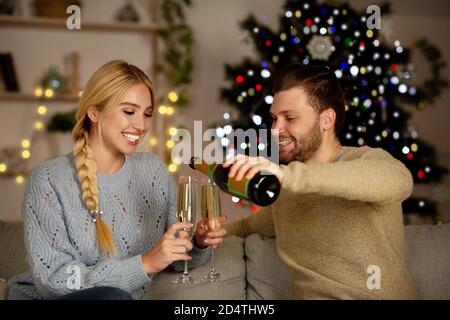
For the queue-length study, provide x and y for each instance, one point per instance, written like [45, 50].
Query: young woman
[100, 222]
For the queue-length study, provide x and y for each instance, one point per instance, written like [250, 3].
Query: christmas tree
[376, 79]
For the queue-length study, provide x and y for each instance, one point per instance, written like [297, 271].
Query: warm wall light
[170, 144]
[26, 154]
[172, 167]
[38, 125]
[42, 110]
[173, 96]
[25, 143]
[173, 131]
[153, 141]
[38, 92]
[169, 111]
[162, 109]
[20, 179]
[48, 93]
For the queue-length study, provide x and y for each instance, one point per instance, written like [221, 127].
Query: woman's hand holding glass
[176, 242]
[168, 249]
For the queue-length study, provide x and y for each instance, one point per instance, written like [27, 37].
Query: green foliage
[433, 87]
[62, 122]
[178, 40]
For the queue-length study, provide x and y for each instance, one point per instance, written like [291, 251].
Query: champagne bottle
[262, 189]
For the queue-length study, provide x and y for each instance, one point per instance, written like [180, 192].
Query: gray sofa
[251, 268]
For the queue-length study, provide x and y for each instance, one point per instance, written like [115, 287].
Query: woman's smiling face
[124, 126]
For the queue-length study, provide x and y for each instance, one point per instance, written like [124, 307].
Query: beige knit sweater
[335, 220]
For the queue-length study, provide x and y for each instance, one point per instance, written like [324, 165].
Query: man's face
[298, 124]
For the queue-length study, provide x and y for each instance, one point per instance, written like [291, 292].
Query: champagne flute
[187, 211]
[210, 212]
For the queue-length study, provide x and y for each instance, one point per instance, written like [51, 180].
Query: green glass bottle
[262, 189]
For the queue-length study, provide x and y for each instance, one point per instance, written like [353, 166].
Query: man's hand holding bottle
[242, 166]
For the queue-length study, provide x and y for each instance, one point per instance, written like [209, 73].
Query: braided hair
[103, 90]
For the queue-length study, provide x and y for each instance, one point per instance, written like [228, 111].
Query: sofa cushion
[12, 250]
[229, 261]
[428, 259]
[268, 278]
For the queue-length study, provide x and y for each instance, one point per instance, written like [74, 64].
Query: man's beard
[305, 147]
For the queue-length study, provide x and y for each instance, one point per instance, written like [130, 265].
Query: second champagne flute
[187, 211]
[210, 212]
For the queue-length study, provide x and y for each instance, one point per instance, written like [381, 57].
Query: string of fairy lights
[167, 110]
[26, 143]
[42, 95]
[179, 43]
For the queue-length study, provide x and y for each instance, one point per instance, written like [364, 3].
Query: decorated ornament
[320, 47]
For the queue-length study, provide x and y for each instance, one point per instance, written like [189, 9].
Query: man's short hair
[321, 87]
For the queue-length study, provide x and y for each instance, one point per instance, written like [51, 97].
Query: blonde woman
[100, 222]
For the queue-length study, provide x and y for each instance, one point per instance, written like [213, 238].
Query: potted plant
[59, 128]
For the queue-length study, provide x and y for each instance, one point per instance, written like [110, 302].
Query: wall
[218, 41]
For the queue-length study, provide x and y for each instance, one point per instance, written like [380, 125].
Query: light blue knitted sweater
[138, 204]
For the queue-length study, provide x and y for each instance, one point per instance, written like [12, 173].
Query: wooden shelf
[60, 24]
[13, 175]
[18, 96]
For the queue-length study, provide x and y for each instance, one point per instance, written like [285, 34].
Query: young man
[338, 218]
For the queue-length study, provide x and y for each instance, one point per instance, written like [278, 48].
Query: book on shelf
[2, 82]
[8, 72]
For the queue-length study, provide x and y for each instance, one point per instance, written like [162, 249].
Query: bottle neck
[205, 168]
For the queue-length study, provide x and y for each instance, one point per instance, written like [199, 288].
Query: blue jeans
[98, 293]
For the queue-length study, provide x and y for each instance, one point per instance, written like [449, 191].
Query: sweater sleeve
[375, 177]
[261, 223]
[53, 257]
[199, 256]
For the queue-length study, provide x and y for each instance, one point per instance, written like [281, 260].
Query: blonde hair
[103, 90]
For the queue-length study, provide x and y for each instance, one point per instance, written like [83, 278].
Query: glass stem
[185, 268]
[213, 268]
